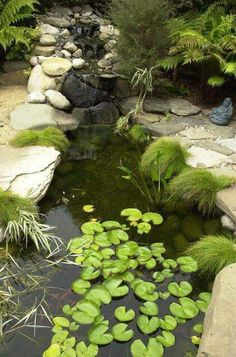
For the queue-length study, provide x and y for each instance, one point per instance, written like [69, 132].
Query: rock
[225, 170]
[40, 82]
[226, 201]
[121, 89]
[14, 66]
[78, 63]
[41, 59]
[81, 94]
[66, 54]
[229, 143]
[156, 105]
[48, 29]
[164, 129]
[65, 33]
[46, 51]
[70, 46]
[57, 100]
[223, 132]
[39, 116]
[33, 61]
[61, 10]
[182, 107]
[212, 145]
[203, 158]
[30, 171]
[56, 66]
[104, 63]
[57, 22]
[127, 104]
[148, 118]
[47, 40]
[197, 134]
[227, 223]
[103, 113]
[223, 114]
[78, 53]
[36, 97]
[218, 339]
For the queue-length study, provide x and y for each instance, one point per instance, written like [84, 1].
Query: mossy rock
[192, 227]
[64, 168]
[170, 227]
[180, 242]
[211, 226]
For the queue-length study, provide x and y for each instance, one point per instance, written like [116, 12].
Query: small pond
[90, 175]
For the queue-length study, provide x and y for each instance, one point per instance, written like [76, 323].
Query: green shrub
[213, 253]
[198, 187]
[164, 157]
[143, 32]
[139, 134]
[13, 12]
[46, 137]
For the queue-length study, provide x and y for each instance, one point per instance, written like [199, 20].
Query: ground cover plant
[112, 267]
[50, 137]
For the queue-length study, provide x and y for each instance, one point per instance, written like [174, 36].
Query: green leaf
[148, 325]
[69, 342]
[80, 286]
[98, 336]
[167, 339]
[113, 285]
[88, 208]
[124, 316]
[102, 240]
[169, 263]
[187, 308]
[153, 349]
[181, 290]
[61, 321]
[126, 250]
[146, 291]
[149, 308]
[160, 276]
[73, 326]
[132, 214]
[164, 296]
[157, 249]
[121, 334]
[99, 294]
[143, 255]
[168, 323]
[111, 225]
[198, 328]
[88, 307]
[53, 351]
[138, 349]
[187, 264]
[195, 340]
[89, 273]
[153, 217]
[127, 276]
[143, 227]
[91, 228]
[83, 351]
[115, 236]
[77, 245]
[216, 81]
[60, 337]
[107, 253]
[113, 267]
[204, 301]
[70, 352]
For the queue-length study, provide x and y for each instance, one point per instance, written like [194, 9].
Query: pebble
[70, 46]
[78, 63]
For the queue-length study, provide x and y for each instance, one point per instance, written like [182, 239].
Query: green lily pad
[187, 264]
[73, 326]
[102, 240]
[121, 334]
[115, 236]
[89, 273]
[113, 267]
[153, 217]
[180, 290]
[88, 208]
[203, 301]
[160, 276]
[198, 328]
[107, 253]
[126, 250]
[169, 263]
[127, 276]
[91, 228]
[83, 351]
[77, 245]
[111, 225]
[88, 307]
[99, 294]
[61, 321]
[148, 325]
[187, 308]
[195, 340]
[132, 214]
[164, 295]
[70, 352]
[167, 339]
[157, 249]
[143, 254]
[153, 349]
[149, 308]
[80, 286]
[93, 260]
[53, 351]
[113, 285]
[60, 337]
[146, 291]
[143, 227]
[168, 323]
[150, 264]
[69, 343]
[98, 336]
[124, 316]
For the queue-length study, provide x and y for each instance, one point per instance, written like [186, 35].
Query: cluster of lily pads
[111, 267]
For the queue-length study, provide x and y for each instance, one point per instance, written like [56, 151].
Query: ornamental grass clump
[139, 134]
[49, 137]
[165, 156]
[213, 253]
[199, 187]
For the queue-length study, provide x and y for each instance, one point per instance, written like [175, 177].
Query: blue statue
[222, 114]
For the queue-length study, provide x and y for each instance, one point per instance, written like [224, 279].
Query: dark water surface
[96, 180]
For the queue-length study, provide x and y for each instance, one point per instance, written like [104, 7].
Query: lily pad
[88, 208]
[83, 351]
[61, 321]
[111, 225]
[168, 323]
[169, 263]
[124, 316]
[107, 253]
[77, 244]
[149, 308]
[160, 276]
[146, 291]
[53, 351]
[153, 349]
[187, 308]
[98, 335]
[198, 328]
[148, 325]
[115, 236]
[99, 294]
[164, 295]
[143, 254]
[187, 264]
[121, 334]
[80, 286]
[115, 287]
[70, 352]
[167, 339]
[153, 217]
[102, 240]
[113, 267]
[157, 249]
[180, 290]
[91, 228]
[126, 250]
[150, 264]
[89, 273]
[203, 301]
[88, 307]
[132, 214]
[143, 227]
[60, 337]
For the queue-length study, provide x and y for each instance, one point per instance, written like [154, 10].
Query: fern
[11, 13]
[216, 81]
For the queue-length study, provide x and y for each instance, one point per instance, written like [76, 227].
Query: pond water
[95, 179]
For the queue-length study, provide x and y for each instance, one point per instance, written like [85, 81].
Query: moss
[139, 134]
[64, 168]
[170, 227]
[180, 242]
[192, 227]
[211, 226]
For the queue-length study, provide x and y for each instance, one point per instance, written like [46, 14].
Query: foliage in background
[208, 40]
[198, 188]
[49, 137]
[104, 251]
[12, 15]
[213, 253]
[143, 32]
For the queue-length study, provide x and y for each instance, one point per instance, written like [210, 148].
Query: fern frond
[216, 81]
[15, 10]
[170, 62]
[230, 68]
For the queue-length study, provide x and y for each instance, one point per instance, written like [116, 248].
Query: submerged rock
[223, 114]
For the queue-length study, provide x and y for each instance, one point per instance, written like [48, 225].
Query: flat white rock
[204, 158]
[229, 143]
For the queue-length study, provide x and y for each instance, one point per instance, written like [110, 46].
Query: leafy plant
[213, 253]
[46, 137]
[12, 13]
[198, 187]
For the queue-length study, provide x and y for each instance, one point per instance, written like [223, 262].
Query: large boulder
[226, 201]
[80, 94]
[40, 82]
[219, 337]
[178, 106]
[56, 66]
[27, 171]
[45, 51]
[39, 116]
[103, 113]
